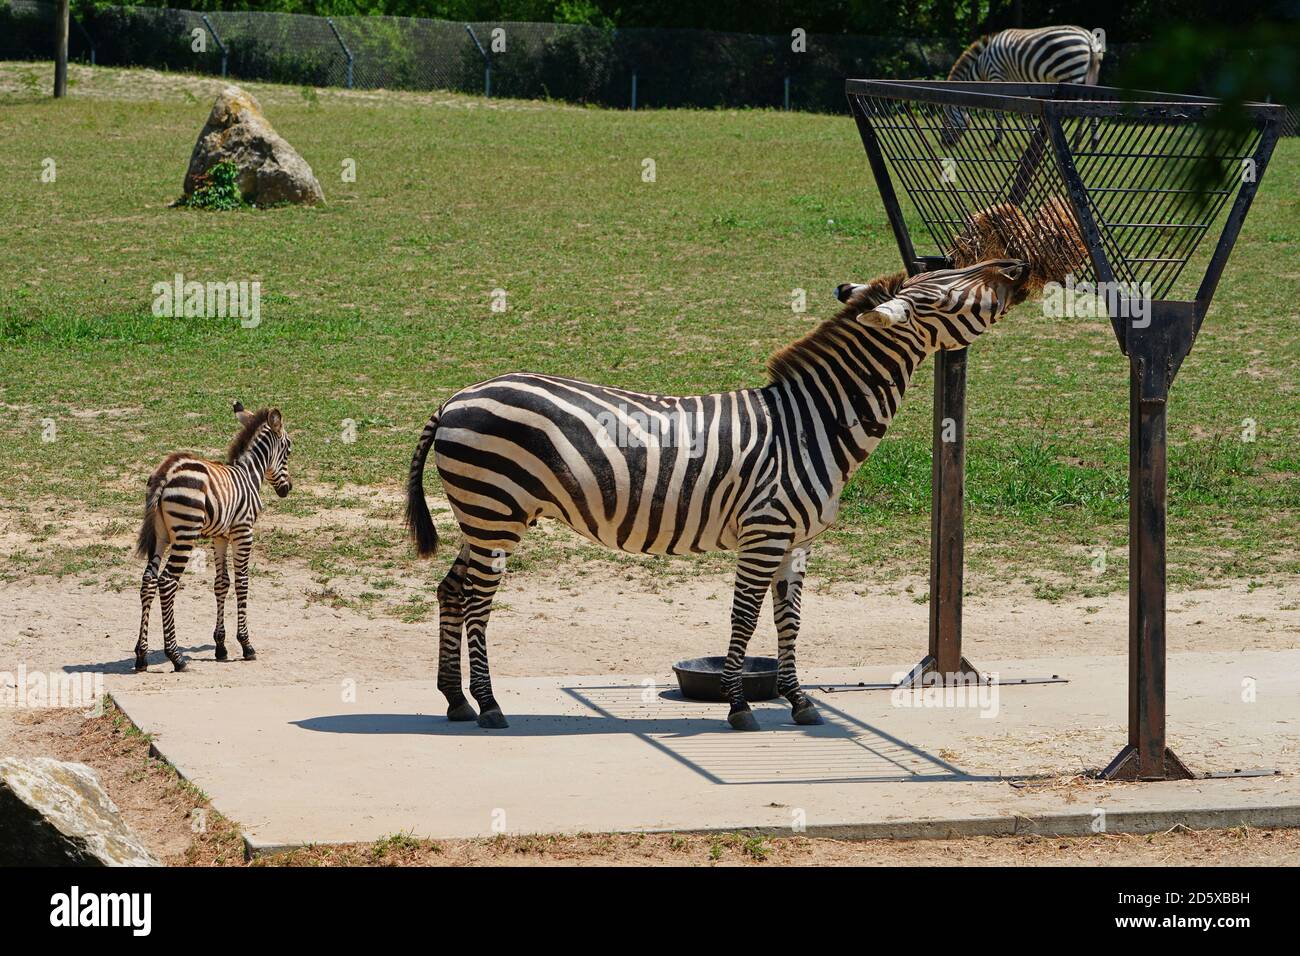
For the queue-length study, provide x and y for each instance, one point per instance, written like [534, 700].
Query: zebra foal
[190, 498]
[758, 471]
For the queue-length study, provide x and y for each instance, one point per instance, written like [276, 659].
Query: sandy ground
[596, 618]
[586, 617]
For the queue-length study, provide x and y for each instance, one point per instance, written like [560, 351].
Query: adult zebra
[1062, 54]
[758, 470]
[190, 498]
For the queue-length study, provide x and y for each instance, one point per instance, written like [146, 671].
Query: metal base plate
[1125, 767]
[927, 666]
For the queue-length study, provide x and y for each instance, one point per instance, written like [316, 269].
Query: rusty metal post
[947, 515]
[1155, 353]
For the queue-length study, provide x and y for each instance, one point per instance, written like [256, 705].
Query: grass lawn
[377, 305]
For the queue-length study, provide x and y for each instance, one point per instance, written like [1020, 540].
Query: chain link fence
[620, 68]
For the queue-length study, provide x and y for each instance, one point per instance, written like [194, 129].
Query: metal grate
[1080, 182]
[1153, 179]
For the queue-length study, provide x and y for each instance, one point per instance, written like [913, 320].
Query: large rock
[57, 814]
[270, 170]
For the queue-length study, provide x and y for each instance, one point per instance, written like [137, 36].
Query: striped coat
[757, 471]
[1063, 54]
[189, 498]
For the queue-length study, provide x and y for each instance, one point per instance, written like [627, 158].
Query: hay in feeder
[1051, 242]
[1061, 249]
[994, 233]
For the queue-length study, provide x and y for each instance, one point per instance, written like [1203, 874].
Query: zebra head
[270, 442]
[948, 307]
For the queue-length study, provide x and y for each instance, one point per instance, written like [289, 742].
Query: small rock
[57, 814]
[270, 170]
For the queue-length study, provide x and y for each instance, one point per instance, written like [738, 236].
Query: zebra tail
[423, 533]
[147, 540]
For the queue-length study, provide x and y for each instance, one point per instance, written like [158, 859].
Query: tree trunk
[61, 49]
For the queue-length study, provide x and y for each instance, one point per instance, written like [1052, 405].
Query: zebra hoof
[807, 715]
[249, 653]
[463, 711]
[141, 665]
[743, 720]
[492, 719]
[180, 663]
[222, 653]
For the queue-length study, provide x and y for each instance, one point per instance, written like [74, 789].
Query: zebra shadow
[844, 749]
[155, 658]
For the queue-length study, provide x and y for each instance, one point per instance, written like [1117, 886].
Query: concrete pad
[298, 764]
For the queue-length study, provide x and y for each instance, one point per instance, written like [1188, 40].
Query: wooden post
[61, 49]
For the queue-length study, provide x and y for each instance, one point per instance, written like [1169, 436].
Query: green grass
[376, 306]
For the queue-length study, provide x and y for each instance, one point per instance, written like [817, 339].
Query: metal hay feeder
[1133, 172]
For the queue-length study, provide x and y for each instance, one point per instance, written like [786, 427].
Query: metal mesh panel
[281, 47]
[1155, 186]
[403, 53]
[27, 32]
[1147, 194]
[629, 67]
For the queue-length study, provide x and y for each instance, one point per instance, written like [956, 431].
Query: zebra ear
[241, 413]
[275, 420]
[894, 312]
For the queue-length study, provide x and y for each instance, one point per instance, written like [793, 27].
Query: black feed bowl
[700, 678]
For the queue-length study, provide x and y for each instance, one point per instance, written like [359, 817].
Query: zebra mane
[245, 436]
[963, 69]
[791, 360]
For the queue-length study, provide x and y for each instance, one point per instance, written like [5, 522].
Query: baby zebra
[758, 471]
[190, 498]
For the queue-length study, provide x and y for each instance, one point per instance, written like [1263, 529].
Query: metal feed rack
[1146, 179]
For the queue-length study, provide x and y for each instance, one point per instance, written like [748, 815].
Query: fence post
[225, 57]
[487, 62]
[61, 16]
[634, 91]
[787, 94]
[346, 52]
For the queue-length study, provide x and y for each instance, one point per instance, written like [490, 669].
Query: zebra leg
[451, 626]
[757, 563]
[242, 538]
[148, 587]
[482, 577]
[220, 587]
[787, 590]
[168, 584]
